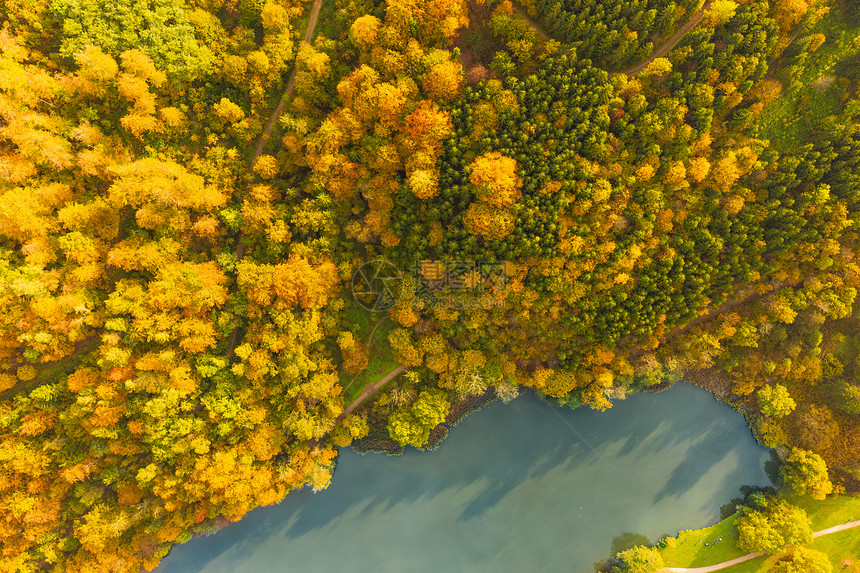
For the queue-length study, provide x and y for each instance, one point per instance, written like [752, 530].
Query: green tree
[160, 28]
[775, 401]
[411, 425]
[806, 472]
[431, 407]
[723, 10]
[803, 560]
[769, 530]
[847, 397]
[405, 428]
[639, 559]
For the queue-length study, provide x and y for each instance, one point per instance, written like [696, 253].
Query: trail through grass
[689, 549]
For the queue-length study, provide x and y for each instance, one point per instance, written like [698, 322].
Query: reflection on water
[517, 487]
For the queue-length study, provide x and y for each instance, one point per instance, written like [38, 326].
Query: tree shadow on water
[627, 540]
[710, 450]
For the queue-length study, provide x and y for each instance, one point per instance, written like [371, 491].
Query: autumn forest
[582, 199]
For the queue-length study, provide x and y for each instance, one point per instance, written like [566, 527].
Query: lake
[513, 488]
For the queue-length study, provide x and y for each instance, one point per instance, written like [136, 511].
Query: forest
[582, 199]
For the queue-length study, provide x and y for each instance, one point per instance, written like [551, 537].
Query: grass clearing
[689, 549]
[840, 546]
[828, 512]
[361, 320]
[811, 90]
[382, 360]
[377, 367]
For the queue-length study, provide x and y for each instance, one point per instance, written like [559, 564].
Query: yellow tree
[491, 222]
[495, 179]
[789, 12]
[444, 80]
[364, 31]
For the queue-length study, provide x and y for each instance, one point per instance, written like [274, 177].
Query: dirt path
[531, 22]
[291, 84]
[369, 342]
[661, 51]
[835, 528]
[771, 69]
[716, 567]
[725, 564]
[682, 328]
[369, 391]
[723, 308]
[666, 46]
[309, 32]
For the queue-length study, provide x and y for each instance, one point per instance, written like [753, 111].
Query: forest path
[45, 371]
[666, 46]
[369, 342]
[661, 51]
[716, 567]
[291, 84]
[531, 22]
[770, 65]
[369, 391]
[747, 557]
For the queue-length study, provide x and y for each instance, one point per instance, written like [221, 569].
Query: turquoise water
[514, 488]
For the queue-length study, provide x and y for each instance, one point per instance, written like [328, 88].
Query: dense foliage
[615, 33]
[769, 529]
[189, 191]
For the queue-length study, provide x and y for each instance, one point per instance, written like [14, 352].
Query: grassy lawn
[382, 360]
[377, 367]
[784, 120]
[838, 546]
[361, 320]
[689, 549]
[828, 512]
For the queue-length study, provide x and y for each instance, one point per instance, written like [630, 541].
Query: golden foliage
[444, 80]
[489, 221]
[495, 178]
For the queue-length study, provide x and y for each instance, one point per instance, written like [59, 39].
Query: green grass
[377, 367]
[827, 512]
[796, 111]
[849, 348]
[689, 550]
[381, 362]
[361, 320]
[838, 546]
